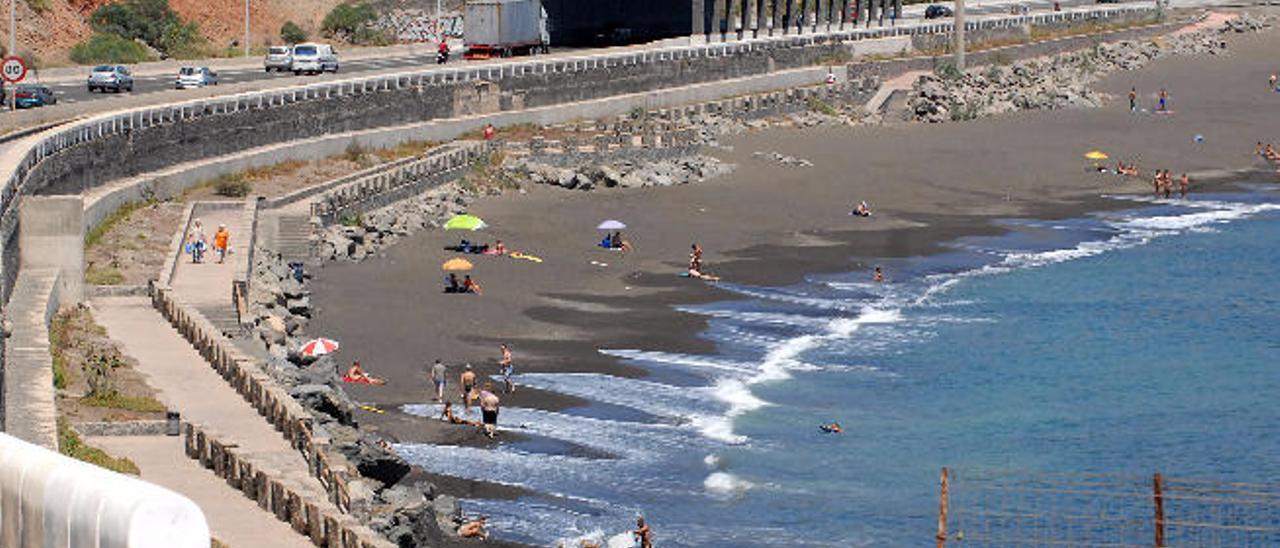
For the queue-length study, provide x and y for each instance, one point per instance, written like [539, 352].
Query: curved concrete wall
[52, 501]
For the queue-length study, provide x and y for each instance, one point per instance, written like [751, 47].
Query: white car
[196, 77]
[279, 58]
[314, 59]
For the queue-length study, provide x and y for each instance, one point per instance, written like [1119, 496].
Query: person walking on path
[468, 379]
[1272, 85]
[508, 369]
[220, 241]
[1133, 99]
[489, 409]
[196, 242]
[438, 379]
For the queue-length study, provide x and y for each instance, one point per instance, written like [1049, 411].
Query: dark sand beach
[763, 224]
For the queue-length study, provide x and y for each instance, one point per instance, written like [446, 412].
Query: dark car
[28, 96]
[936, 12]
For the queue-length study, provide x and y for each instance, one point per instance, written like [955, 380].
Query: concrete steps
[222, 317]
[293, 237]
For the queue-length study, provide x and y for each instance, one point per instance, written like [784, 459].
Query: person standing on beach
[695, 259]
[1271, 86]
[489, 409]
[508, 369]
[878, 276]
[1164, 100]
[1183, 184]
[1133, 99]
[438, 379]
[468, 388]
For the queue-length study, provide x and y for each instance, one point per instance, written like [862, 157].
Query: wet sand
[763, 224]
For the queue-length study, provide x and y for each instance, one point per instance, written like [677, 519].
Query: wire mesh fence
[991, 507]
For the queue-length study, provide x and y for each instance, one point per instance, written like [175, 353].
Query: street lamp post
[959, 32]
[246, 28]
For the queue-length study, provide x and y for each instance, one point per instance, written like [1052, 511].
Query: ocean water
[1128, 342]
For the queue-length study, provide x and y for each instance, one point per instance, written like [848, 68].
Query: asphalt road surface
[77, 91]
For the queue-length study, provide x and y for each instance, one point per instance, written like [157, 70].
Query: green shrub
[291, 33]
[232, 186]
[153, 22]
[109, 48]
[183, 41]
[38, 6]
[59, 340]
[354, 219]
[70, 444]
[352, 22]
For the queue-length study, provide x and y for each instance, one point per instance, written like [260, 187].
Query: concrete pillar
[897, 10]
[871, 11]
[708, 17]
[844, 13]
[760, 21]
[699, 17]
[786, 16]
[721, 19]
[744, 6]
[803, 9]
[51, 235]
[775, 16]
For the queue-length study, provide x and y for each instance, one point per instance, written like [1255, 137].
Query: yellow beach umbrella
[457, 265]
[1096, 155]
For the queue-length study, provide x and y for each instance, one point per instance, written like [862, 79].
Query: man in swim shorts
[489, 409]
[468, 388]
[438, 379]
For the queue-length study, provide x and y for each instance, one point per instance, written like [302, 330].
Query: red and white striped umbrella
[319, 347]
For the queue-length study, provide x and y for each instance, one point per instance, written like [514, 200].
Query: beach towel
[352, 380]
[371, 409]
[525, 256]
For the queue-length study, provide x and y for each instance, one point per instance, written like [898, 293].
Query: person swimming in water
[878, 276]
[833, 428]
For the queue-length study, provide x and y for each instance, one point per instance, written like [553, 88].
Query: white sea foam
[725, 485]
[690, 361]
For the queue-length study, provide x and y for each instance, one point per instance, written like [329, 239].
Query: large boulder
[374, 462]
[325, 400]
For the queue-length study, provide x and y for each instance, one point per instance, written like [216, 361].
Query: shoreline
[581, 309]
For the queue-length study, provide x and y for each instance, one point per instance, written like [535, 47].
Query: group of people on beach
[197, 243]
[616, 242]
[472, 391]
[1162, 100]
[1162, 183]
[466, 285]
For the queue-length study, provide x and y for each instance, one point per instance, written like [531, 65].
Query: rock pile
[1060, 81]
[782, 159]
[408, 515]
[1247, 23]
[363, 236]
[623, 174]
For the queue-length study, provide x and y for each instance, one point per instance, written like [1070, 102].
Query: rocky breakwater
[1056, 82]
[363, 235]
[619, 174]
[409, 513]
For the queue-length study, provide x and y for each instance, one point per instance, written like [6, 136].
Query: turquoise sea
[1130, 342]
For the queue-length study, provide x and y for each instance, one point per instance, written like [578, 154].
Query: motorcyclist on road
[442, 53]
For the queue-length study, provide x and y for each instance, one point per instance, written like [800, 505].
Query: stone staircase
[223, 317]
[293, 236]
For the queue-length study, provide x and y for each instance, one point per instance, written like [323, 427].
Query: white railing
[54, 501]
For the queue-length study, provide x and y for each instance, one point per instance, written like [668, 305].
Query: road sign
[14, 69]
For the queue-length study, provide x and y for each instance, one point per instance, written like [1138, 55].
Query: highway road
[70, 91]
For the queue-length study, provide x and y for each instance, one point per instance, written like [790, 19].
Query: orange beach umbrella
[457, 265]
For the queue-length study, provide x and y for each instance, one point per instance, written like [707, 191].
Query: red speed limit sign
[14, 69]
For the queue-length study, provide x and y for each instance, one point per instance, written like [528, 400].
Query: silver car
[279, 58]
[108, 77]
[196, 77]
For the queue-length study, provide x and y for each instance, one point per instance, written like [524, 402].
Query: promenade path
[186, 383]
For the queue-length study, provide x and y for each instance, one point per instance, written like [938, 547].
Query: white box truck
[502, 28]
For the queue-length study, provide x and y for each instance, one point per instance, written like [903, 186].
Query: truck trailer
[502, 28]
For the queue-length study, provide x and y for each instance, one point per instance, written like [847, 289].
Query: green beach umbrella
[465, 222]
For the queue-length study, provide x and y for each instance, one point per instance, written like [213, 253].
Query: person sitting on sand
[498, 248]
[862, 210]
[451, 284]
[470, 286]
[644, 537]
[833, 428]
[474, 529]
[357, 375]
[448, 416]
[616, 242]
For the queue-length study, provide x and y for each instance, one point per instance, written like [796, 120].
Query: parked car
[196, 77]
[279, 58]
[33, 95]
[936, 11]
[313, 59]
[107, 77]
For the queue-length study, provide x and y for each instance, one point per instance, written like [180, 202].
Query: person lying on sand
[833, 428]
[862, 210]
[357, 375]
[703, 276]
[474, 529]
[448, 416]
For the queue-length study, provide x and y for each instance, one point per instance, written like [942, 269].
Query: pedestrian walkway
[188, 384]
[207, 285]
[234, 519]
